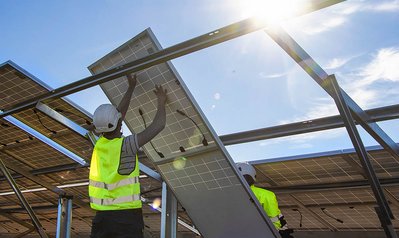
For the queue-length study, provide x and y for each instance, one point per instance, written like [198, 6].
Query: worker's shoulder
[263, 191]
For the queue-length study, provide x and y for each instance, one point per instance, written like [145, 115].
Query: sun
[270, 11]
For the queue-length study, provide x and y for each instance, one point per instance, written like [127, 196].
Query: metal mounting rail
[195, 44]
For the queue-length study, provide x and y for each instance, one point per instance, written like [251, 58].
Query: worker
[114, 187]
[267, 200]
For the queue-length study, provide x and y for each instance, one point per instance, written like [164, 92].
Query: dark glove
[286, 233]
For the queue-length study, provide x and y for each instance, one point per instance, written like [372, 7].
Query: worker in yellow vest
[267, 200]
[114, 187]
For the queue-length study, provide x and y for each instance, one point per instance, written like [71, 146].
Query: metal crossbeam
[312, 125]
[293, 49]
[198, 43]
[39, 181]
[45, 139]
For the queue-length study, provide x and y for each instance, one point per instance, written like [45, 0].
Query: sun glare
[270, 11]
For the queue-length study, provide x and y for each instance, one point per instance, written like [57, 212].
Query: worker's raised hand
[131, 80]
[161, 94]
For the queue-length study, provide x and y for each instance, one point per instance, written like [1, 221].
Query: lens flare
[179, 163]
[156, 203]
[270, 11]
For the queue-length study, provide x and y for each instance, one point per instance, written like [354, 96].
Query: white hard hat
[106, 118]
[248, 169]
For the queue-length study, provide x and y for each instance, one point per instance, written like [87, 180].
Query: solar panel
[355, 206]
[196, 167]
[350, 196]
[16, 87]
[310, 171]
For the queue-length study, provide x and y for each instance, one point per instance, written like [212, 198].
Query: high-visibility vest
[108, 190]
[268, 201]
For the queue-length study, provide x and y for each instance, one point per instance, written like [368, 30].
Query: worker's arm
[277, 218]
[132, 143]
[124, 103]
[159, 121]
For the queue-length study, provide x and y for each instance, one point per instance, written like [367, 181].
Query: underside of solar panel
[187, 153]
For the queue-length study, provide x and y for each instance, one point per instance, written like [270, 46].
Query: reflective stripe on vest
[109, 190]
[275, 219]
[114, 201]
[113, 186]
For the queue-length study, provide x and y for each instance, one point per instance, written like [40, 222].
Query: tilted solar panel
[191, 160]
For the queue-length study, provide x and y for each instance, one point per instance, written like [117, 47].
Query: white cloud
[213, 106]
[277, 75]
[336, 63]
[341, 14]
[384, 66]
[325, 25]
[386, 6]
[216, 96]
[349, 9]
[365, 97]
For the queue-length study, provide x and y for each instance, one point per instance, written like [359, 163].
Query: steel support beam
[64, 218]
[23, 201]
[385, 213]
[313, 125]
[293, 49]
[39, 181]
[45, 139]
[28, 175]
[61, 119]
[198, 43]
[169, 213]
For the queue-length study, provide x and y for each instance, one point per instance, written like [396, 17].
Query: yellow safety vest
[268, 201]
[108, 190]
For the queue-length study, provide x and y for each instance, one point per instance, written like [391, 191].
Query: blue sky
[244, 84]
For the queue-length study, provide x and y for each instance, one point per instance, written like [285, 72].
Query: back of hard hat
[247, 169]
[106, 118]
